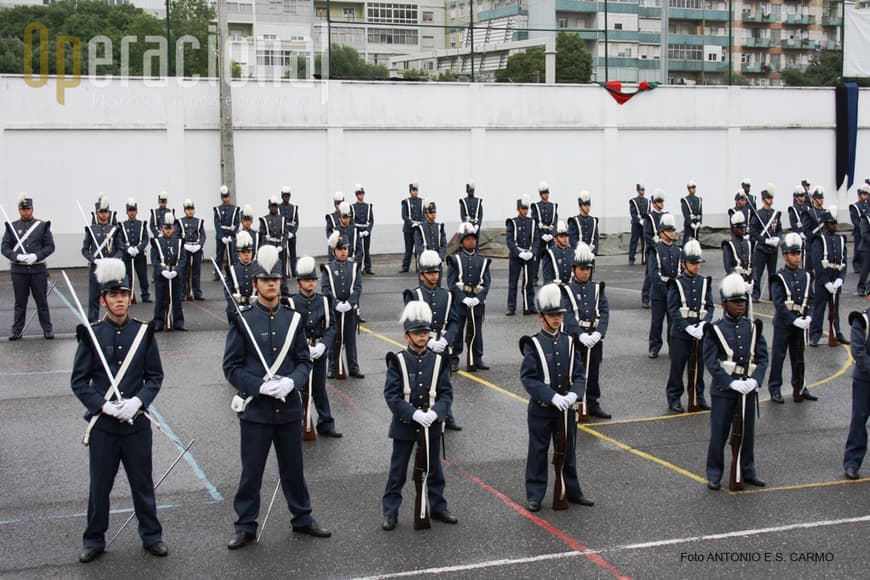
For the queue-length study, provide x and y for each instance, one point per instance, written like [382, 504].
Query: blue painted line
[65, 301]
[191, 460]
[29, 373]
[167, 506]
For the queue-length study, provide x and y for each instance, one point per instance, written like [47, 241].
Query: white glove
[586, 339]
[422, 418]
[560, 402]
[737, 385]
[809, 320]
[476, 228]
[752, 384]
[696, 225]
[802, 322]
[595, 337]
[21, 258]
[29, 259]
[364, 234]
[442, 343]
[475, 301]
[225, 239]
[112, 408]
[283, 387]
[570, 398]
[129, 409]
[280, 249]
[692, 330]
[343, 306]
[189, 247]
[173, 274]
[802, 235]
[547, 237]
[166, 274]
[196, 248]
[468, 301]
[747, 287]
[317, 350]
[437, 345]
[432, 416]
[132, 251]
[829, 286]
[838, 283]
[772, 241]
[525, 255]
[268, 387]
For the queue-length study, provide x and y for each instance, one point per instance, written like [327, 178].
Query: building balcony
[578, 6]
[792, 45]
[758, 43]
[832, 20]
[696, 66]
[757, 17]
[755, 68]
[695, 14]
[799, 20]
[697, 40]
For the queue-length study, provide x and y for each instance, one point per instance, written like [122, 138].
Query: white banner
[856, 53]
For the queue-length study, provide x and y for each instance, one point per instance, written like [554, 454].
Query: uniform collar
[551, 336]
[123, 325]
[265, 308]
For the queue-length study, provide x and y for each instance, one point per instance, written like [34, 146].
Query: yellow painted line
[382, 337]
[493, 386]
[800, 486]
[642, 454]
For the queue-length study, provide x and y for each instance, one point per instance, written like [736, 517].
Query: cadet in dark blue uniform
[319, 320]
[364, 222]
[556, 262]
[735, 355]
[830, 261]
[270, 411]
[813, 216]
[332, 219]
[167, 260]
[345, 228]
[737, 253]
[418, 392]
[553, 375]
[741, 206]
[429, 234]
[662, 266]
[651, 227]
[158, 215]
[113, 215]
[240, 279]
[121, 433]
[443, 327]
[100, 241]
[765, 231]
[690, 304]
[857, 211]
[522, 241]
[273, 232]
[27, 242]
[226, 224]
[468, 280]
[412, 214]
[341, 282]
[792, 292]
[746, 186]
[856, 443]
[588, 314]
[546, 216]
[247, 225]
[191, 230]
[638, 208]
[583, 227]
[132, 244]
[471, 209]
[291, 226]
[693, 212]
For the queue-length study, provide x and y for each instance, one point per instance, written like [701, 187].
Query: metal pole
[606, 69]
[730, 43]
[228, 155]
[471, 30]
[328, 43]
[169, 41]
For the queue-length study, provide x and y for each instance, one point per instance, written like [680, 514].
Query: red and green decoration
[615, 90]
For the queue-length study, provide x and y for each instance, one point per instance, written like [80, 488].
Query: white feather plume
[469, 184]
[285, 189]
[771, 188]
[465, 229]
[274, 200]
[131, 201]
[526, 201]
[792, 240]
[738, 218]
[188, 203]
[224, 190]
[338, 196]
[357, 187]
[416, 311]
[162, 196]
[691, 183]
[344, 208]
[732, 287]
[248, 211]
[333, 239]
[658, 194]
[543, 187]
[428, 205]
[561, 228]
[267, 257]
[244, 240]
[799, 190]
[549, 297]
[22, 196]
[429, 259]
[584, 197]
[819, 189]
[169, 219]
[746, 181]
[104, 201]
[305, 266]
[109, 269]
[692, 249]
[668, 221]
[583, 254]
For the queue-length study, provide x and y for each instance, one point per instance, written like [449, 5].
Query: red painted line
[209, 312]
[377, 417]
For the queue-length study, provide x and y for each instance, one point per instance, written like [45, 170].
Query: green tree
[446, 76]
[191, 18]
[346, 63]
[523, 67]
[573, 61]
[823, 71]
[414, 74]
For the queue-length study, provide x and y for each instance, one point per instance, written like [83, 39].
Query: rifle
[188, 278]
[167, 306]
[340, 370]
[470, 333]
[421, 475]
[735, 478]
[560, 496]
[642, 249]
[309, 433]
[693, 375]
[583, 415]
[797, 381]
[832, 305]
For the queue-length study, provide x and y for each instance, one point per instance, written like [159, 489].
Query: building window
[617, 26]
[393, 36]
[563, 23]
[428, 16]
[320, 12]
[392, 13]
[347, 13]
[685, 52]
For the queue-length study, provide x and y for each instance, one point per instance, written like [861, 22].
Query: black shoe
[529, 311]
[331, 433]
[842, 339]
[678, 408]
[90, 554]
[851, 473]
[158, 549]
[313, 529]
[714, 485]
[703, 405]
[48, 335]
[403, 271]
[480, 365]
[454, 365]
[330, 375]
[158, 328]
[370, 272]
[453, 426]
[754, 481]
[777, 398]
[510, 313]
[533, 506]
[147, 299]
[581, 501]
[645, 305]
[444, 517]
[631, 262]
[808, 396]
[755, 300]
[200, 298]
[653, 354]
[599, 413]
[361, 319]
[240, 540]
[180, 329]
[813, 343]
[389, 522]
[357, 375]
[14, 336]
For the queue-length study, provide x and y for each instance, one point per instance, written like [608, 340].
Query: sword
[90, 231]
[12, 229]
[269, 511]
[32, 316]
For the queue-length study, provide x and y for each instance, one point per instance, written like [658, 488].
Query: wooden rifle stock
[797, 381]
[421, 474]
[167, 305]
[188, 279]
[735, 478]
[340, 371]
[309, 433]
[583, 414]
[693, 376]
[560, 496]
[642, 249]
[469, 340]
[832, 334]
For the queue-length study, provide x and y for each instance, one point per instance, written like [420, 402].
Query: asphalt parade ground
[653, 516]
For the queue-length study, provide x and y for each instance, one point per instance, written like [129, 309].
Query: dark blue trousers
[659, 315]
[680, 350]
[543, 430]
[291, 256]
[821, 303]
[367, 253]
[462, 313]
[161, 297]
[222, 251]
[139, 267]
[320, 398]
[721, 421]
[349, 338]
[856, 443]
[256, 440]
[593, 385]
[516, 280]
[93, 295]
[763, 261]
[784, 339]
[24, 284]
[409, 248]
[192, 274]
[107, 451]
[399, 461]
[636, 235]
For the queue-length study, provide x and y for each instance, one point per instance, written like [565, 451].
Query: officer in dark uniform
[797, 210]
[345, 228]
[813, 217]
[638, 208]
[247, 225]
[662, 267]
[168, 259]
[741, 205]
[471, 209]
[319, 319]
[418, 392]
[341, 281]
[158, 215]
[546, 216]
[291, 226]
[429, 234]
[240, 280]
[100, 241]
[522, 240]
[332, 219]
[856, 443]
[191, 230]
[270, 411]
[830, 261]
[121, 433]
[468, 280]
[412, 215]
[690, 305]
[27, 242]
[226, 224]
[552, 374]
[735, 354]
[364, 222]
[557, 261]
[737, 252]
[792, 292]
[651, 227]
[857, 211]
[765, 231]
[693, 212]
[583, 227]
[133, 242]
[273, 232]
[746, 186]
[443, 327]
[588, 314]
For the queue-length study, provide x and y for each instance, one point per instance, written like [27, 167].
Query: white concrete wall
[136, 140]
